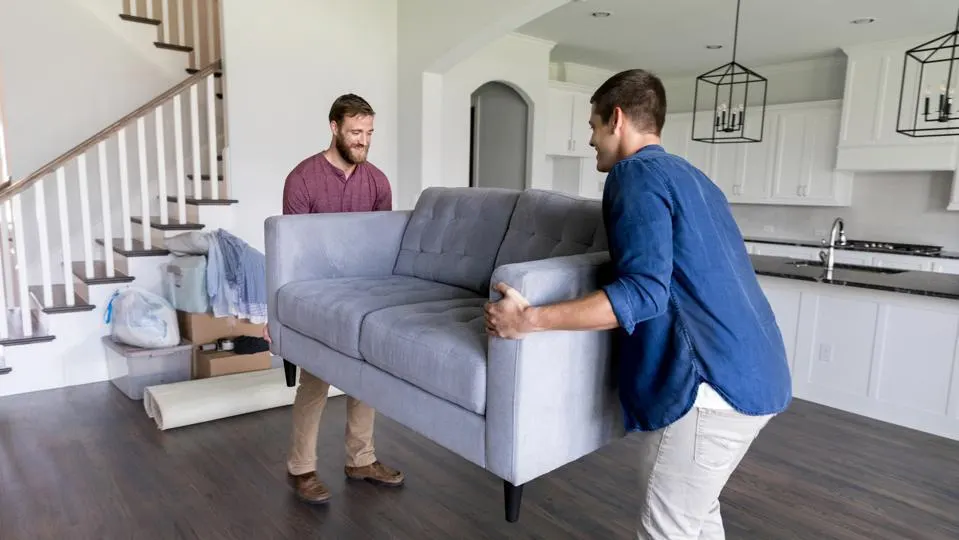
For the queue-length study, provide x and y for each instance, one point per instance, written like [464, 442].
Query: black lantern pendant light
[931, 66]
[728, 89]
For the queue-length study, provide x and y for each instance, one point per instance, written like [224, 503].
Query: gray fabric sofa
[388, 307]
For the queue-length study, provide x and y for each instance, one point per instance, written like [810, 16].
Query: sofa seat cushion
[439, 347]
[331, 311]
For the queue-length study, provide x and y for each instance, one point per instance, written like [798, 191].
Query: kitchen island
[879, 342]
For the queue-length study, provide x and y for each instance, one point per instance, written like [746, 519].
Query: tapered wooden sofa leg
[290, 371]
[514, 499]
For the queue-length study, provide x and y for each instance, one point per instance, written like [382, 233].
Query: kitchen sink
[856, 267]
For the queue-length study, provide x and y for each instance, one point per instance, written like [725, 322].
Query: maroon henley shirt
[316, 186]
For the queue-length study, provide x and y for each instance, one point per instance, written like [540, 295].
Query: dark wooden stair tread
[173, 225]
[205, 177]
[173, 46]
[137, 248]
[60, 300]
[144, 20]
[193, 71]
[15, 332]
[204, 202]
[99, 274]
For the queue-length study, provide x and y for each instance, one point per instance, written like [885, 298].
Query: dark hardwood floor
[86, 462]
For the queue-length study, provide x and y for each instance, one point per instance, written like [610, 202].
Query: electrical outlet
[769, 229]
[825, 352]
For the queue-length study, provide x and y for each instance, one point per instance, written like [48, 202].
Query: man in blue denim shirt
[702, 365]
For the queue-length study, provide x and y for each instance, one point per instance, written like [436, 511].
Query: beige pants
[683, 468]
[308, 409]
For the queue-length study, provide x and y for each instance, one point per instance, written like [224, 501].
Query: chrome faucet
[828, 254]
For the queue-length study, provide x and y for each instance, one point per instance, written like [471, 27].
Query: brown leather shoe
[308, 488]
[377, 473]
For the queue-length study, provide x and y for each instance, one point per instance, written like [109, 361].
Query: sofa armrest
[551, 397]
[315, 246]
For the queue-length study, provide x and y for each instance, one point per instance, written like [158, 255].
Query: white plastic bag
[142, 319]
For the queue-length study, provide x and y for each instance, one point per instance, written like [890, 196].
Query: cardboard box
[203, 328]
[216, 363]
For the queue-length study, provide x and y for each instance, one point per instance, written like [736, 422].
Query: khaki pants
[683, 468]
[308, 409]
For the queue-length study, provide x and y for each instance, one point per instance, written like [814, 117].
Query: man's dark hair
[640, 95]
[349, 105]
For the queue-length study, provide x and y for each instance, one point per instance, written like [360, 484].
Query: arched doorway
[499, 137]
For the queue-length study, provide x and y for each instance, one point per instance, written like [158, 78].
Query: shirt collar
[651, 148]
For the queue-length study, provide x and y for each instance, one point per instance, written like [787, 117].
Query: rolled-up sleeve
[639, 218]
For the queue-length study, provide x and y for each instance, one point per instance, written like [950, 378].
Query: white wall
[67, 73]
[434, 36]
[285, 66]
[522, 63]
[500, 137]
[69, 69]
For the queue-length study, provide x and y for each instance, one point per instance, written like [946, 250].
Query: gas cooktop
[893, 247]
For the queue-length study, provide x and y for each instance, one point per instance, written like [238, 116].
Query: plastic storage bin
[131, 369]
[184, 284]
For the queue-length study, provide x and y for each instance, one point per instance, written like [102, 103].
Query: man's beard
[353, 156]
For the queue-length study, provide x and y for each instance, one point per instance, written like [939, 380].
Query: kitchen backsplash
[894, 207]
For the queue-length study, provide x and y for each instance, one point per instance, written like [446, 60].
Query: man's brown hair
[640, 95]
[349, 105]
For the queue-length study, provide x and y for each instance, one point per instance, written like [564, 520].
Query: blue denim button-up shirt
[686, 296]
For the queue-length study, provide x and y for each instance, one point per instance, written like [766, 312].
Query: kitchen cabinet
[792, 166]
[885, 355]
[577, 176]
[868, 140]
[568, 121]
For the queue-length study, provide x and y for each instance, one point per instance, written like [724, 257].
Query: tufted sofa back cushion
[454, 234]
[549, 224]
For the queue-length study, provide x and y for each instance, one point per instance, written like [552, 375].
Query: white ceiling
[669, 36]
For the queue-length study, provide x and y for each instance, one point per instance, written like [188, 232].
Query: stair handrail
[9, 190]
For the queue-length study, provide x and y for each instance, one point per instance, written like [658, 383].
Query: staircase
[96, 218]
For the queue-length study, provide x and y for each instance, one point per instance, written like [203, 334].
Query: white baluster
[161, 167]
[149, 10]
[3, 306]
[181, 22]
[4, 261]
[41, 206]
[165, 17]
[23, 284]
[105, 207]
[6, 250]
[211, 134]
[85, 216]
[144, 182]
[178, 148]
[125, 190]
[65, 247]
[4, 167]
[195, 139]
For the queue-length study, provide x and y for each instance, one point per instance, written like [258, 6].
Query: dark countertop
[908, 282]
[818, 244]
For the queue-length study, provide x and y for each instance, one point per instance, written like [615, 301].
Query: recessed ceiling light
[601, 14]
[863, 20]
[714, 47]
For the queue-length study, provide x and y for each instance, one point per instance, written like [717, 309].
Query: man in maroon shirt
[338, 179]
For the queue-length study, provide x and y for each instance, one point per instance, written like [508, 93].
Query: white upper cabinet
[568, 121]
[793, 165]
[868, 140]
